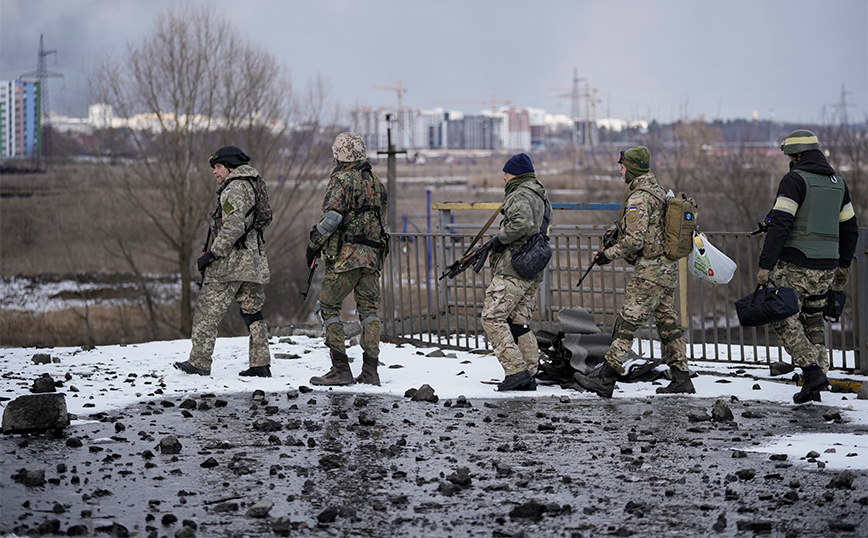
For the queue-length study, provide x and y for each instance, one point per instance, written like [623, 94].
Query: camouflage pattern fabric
[230, 220]
[364, 283]
[353, 191]
[213, 302]
[643, 298]
[640, 242]
[523, 211]
[349, 148]
[514, 298]
[796, 332]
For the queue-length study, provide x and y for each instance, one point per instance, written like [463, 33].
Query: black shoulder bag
[535, 253]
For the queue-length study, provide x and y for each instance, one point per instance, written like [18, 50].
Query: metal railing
[418, 306]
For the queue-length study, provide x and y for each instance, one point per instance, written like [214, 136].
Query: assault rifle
[205, 248]
[762, 226]
[309, 280]
[475, 258]
[609, 239]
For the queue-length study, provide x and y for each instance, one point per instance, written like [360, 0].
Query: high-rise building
[20, 118]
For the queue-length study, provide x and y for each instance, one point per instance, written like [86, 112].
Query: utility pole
[391, 175]
[42, 75]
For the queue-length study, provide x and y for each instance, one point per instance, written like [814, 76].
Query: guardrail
[418, 306]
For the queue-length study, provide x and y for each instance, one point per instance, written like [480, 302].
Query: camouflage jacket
[640, 241]
[523, 211]
[245, 261]
[357, 194]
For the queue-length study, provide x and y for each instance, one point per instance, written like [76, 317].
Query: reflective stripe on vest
[815, 228]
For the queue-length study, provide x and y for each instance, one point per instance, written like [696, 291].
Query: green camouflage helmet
[349, 148]
[799, 141]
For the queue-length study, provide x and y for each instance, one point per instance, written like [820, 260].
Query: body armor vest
[815, 228]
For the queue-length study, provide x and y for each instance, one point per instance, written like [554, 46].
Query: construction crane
[400, 90]
[494, 102]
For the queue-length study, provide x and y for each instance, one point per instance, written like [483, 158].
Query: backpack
[679, 224]
[261, 210]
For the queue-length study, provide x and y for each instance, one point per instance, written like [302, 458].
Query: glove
[205, 260]
[496, 245]
[600, 258]
[842, 274]
[309, 255]
[762, 277]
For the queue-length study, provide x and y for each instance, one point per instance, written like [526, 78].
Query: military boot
[813, 381]
[340, 374]
[680, 383]
[601, 382]
[369, 375]
[517, 381]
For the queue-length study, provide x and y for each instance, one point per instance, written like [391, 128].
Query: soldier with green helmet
[652, 288]
[351, 238]
[811, 239]
[234, 267]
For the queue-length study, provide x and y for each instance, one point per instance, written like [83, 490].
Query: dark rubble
[304, 463]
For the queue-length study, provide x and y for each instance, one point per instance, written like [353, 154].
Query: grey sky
[656, 59]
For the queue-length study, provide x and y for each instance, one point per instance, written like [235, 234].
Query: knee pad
[517, 330]
[814, 329]
[669, 333]
[251, 318]
[368, 318]
[623, 329]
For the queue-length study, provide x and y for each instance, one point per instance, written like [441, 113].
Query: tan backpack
[679, 223]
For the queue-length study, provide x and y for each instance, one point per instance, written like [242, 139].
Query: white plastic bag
[705, 261]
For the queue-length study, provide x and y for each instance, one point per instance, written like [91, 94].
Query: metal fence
[419, 306]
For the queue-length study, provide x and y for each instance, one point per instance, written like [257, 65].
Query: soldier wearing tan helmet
[812, 234]
[351, 238]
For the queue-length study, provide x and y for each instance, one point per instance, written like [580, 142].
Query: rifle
[475, 257]
[609, 239]
[762, 226]
[204, 249]
[309, 279]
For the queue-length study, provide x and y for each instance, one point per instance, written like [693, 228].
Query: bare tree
[191, 86]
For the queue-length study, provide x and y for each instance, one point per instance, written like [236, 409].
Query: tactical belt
[812, 298]
[361, 240]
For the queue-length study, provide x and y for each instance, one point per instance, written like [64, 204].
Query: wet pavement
[323, 463]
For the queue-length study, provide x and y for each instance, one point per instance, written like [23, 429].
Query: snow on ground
[111, 377]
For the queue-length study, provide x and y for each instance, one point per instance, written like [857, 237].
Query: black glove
[496, 245]
[309, 255]
[205, 260]
[600, 258]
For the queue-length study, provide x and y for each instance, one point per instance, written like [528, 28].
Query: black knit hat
[228, 156]
[518, 165]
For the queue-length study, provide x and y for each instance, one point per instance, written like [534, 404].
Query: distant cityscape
[497, 128]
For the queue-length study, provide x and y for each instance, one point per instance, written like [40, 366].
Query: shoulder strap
[547, 216]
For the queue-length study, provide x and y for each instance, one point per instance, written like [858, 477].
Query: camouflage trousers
[803, 335]
[364, 283]
[509, 304]
[643, 298]
[212, 305]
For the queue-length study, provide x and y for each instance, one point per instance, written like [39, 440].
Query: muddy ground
[323, 464]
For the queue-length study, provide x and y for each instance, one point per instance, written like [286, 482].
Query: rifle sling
[483, 230]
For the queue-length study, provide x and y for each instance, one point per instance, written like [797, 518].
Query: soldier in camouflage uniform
[812, 235]
[351, 238]
[510, 298]
[652, 288]
[235, 268]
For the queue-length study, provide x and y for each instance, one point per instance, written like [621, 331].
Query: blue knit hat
[518, 165]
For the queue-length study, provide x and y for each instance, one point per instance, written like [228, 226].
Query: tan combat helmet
[349, 148]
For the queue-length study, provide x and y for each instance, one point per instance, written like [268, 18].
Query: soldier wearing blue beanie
[518, 165]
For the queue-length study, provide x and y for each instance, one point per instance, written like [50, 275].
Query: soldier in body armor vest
[351, 238]
[811, 240]
[652, 288]
[235, 268]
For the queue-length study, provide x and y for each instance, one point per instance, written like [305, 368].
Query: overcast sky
[654, 59]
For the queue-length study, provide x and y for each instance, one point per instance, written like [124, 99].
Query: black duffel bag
[766, 305]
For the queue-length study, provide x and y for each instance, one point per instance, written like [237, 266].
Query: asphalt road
[325, 464]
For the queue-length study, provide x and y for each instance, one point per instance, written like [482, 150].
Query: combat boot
[680, 383]
[516, 381]
[256, 371]
[340, 374]
[369, 375]
[813, 381]
[601, 382]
